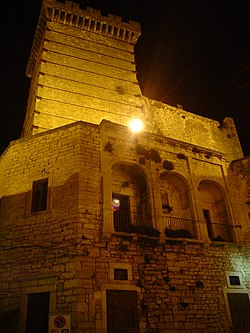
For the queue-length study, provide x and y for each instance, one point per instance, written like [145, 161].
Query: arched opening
[130, 192]
[174, 193]
[176, 205]
[214, 211]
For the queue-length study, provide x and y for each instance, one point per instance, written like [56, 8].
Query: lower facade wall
[181, 286]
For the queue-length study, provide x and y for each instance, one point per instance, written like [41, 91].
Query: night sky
[192, 52]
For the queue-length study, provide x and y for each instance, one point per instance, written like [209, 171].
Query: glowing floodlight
[136, 125]
[115, 204]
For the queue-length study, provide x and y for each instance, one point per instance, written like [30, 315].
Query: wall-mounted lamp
[136, 125]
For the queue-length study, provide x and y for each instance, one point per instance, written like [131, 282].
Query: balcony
[180, 228]
[219, 232]
[122, 223]
[125, 221]
[187, 228]
[122, 220]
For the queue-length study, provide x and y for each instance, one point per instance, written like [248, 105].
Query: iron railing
[122, 220]
[126, 221]
[220, 232]
[187, 228]
[177, 227]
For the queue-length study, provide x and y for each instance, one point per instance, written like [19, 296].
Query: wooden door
[240, 312]
[122, 311]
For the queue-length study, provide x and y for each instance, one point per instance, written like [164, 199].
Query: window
[37, 313]
[120, 271]
[234, 280]
[39, 195]
[120, 274]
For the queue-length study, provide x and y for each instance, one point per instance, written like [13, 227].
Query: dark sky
[192, 52]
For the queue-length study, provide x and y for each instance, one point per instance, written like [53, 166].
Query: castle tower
[103, 230]
[82, 67]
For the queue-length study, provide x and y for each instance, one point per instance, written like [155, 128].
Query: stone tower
[82, 67]
[103, 230]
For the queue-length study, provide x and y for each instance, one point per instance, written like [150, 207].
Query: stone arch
[214, 210]
[175, 194]
[129, 186]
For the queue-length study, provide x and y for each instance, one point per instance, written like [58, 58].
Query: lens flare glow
[136, 125]
[115, 204]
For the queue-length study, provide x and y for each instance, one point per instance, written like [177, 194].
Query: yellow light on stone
[136, 125]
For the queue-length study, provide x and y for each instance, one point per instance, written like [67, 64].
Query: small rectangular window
[234, 280]
[120, 274]
[39, 195]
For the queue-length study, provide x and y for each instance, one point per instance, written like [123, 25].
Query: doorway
[239, 306]
[122, 217]
[122, 312]
[37, 313]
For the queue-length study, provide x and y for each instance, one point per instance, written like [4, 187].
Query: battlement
[90, 19]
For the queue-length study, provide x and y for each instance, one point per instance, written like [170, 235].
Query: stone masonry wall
[180, 285]
[239, 174]
[34, 243]
[86, 73]
[187, 127]
[82, 68]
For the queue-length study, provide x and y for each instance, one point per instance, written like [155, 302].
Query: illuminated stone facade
[175, 256]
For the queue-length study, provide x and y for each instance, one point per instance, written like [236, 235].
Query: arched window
[214, 211]
[130, 197]
[176, 206]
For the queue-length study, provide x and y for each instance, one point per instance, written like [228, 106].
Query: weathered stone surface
[82, 96]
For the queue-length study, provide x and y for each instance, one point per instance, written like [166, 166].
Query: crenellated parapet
[89, 19]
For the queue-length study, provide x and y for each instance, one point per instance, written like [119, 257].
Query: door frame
[50, 287]
[117, 286]
[226, 290]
